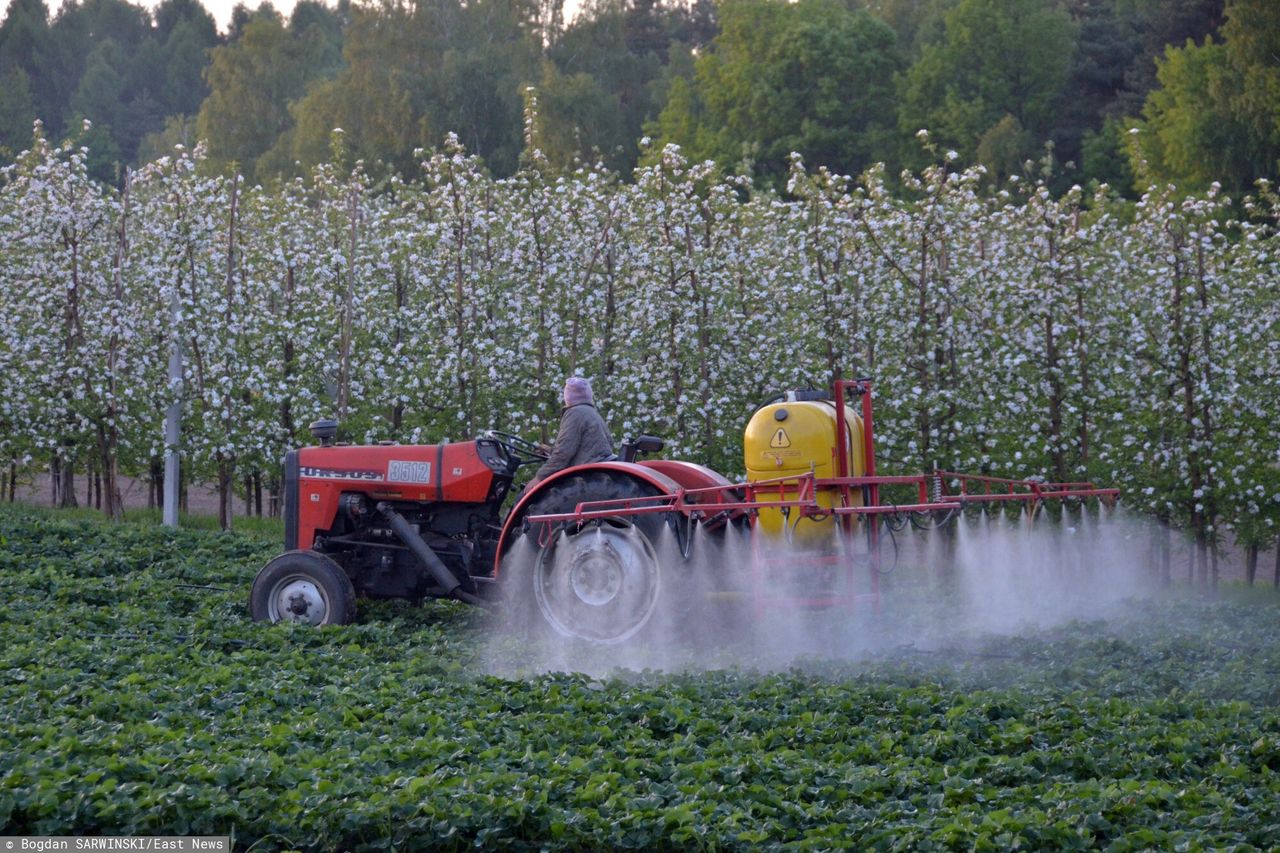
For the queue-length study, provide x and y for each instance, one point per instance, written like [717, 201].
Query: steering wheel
[522, 450]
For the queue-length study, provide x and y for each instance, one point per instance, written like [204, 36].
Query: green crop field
[137, 698]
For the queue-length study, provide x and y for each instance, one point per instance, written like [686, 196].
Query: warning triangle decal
[780, 439]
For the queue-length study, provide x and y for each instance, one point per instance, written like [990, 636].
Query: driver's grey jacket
[583, 438]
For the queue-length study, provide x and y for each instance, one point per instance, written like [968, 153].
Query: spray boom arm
[798, 493]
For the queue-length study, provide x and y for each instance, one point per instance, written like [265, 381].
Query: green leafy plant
[136, 697]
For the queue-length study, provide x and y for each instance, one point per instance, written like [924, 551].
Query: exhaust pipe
[445, 578]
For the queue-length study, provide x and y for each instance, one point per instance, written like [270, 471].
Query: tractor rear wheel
[602, 582]
[303, 586]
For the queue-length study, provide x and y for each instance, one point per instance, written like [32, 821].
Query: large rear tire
[603, 582]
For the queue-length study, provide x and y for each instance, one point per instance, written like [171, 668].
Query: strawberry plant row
[137, 698]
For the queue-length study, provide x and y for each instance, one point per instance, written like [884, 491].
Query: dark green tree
[105, 161]
[1252, 37]
[1157, 24]
[1112, 71]
[178, 130]
[814, 77]
[253, 81]
[577, 117]
[185, 33]
[241, 15]
[128, 74]
[1189, 133]
[1104, 157]
[998, 59]
[1107, 44]
[17, 111]
[101, 92]
[608, 74]
[24, 35]
[413, 75]
[917, 23]
[24, 83]
[321, 26]
[120, 115]
[75, 37]
[1214, 116]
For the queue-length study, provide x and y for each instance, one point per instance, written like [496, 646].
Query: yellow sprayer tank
[795, 437]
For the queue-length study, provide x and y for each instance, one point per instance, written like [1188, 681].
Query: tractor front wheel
[303, 586]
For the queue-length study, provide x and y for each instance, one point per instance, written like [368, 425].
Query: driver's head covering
[577, 391]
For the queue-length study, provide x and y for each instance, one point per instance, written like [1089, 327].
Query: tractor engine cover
[792, 438]
[317, 478]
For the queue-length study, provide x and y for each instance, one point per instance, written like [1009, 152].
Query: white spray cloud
[985, 574]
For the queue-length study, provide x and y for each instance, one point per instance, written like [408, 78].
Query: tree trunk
[397, 411]
[1055, 400]
[273, 491]
[1206, 436]
[348, 310]
[923, 420]
[286, 408]
[1202, 559]
[1083, 360]
[155, 491]
[1054, 372]
[462, 342]
[257, 493]
[226, 462]
[107, 476]
[66, 491]
[610, 312]
[544, 334]
[946, 535]
[1251, 563]
[1166, 552]
[226, 473]
[1196, 463]
[13, 481]
[108, 433]
[72, 337]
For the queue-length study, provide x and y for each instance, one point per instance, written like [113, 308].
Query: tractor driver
[583, 436]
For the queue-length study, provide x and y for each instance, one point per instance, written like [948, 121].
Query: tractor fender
[690, 475]
[511, 527]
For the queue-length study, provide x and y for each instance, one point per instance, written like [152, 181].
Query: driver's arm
[567, 441]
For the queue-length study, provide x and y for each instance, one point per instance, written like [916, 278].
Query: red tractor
[592, 551]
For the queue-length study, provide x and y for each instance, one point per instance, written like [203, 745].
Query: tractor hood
[461, 471]
[316, 478]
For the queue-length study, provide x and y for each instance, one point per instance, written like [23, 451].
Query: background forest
[1072, 274]
[845, 83]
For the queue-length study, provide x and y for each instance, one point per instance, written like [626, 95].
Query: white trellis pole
[173, 423]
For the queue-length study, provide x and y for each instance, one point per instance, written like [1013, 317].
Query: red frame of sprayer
[738, 499]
